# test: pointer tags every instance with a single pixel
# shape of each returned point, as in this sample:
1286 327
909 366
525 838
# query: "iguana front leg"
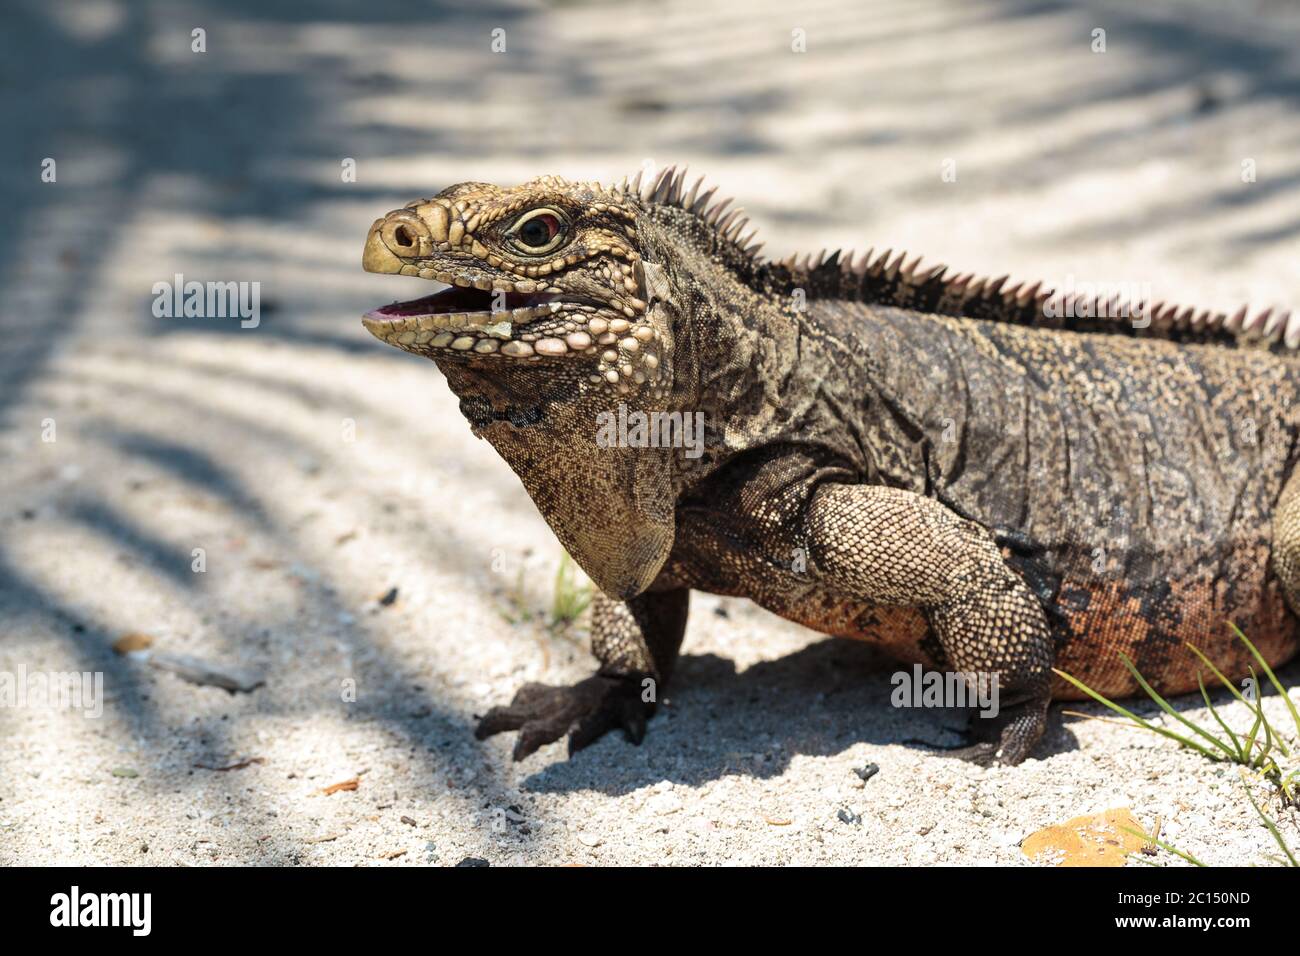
636 643
893 547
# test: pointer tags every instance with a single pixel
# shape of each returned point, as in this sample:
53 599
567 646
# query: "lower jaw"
428 335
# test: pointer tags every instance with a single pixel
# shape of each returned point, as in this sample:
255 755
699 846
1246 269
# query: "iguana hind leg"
893 547
636 643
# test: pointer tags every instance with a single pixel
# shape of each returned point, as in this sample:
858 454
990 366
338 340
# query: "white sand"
176 435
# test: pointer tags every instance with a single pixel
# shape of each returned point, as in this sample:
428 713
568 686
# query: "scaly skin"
969 477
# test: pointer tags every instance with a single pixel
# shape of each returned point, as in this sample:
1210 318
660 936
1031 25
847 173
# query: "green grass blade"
1219 674
1185 741
1168 709
1242 755
1164 846
1258 707
570 598
1272 827
1277 684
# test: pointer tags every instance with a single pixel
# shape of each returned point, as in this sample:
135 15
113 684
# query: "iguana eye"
539 231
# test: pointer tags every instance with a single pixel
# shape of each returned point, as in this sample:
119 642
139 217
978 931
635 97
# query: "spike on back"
668 188
886 279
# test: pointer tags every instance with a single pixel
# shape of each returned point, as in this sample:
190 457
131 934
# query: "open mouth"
457 308
468 320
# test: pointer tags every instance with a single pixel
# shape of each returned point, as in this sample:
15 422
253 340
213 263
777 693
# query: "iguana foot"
1010 739
587 710
1004 742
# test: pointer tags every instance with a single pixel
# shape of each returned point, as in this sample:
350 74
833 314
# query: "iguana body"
934 465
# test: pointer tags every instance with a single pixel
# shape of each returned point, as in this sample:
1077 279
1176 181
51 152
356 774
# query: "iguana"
982 479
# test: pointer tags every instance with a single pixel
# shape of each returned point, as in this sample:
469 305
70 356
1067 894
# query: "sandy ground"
317 469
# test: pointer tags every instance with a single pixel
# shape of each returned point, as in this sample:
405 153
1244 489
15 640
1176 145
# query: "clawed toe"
543 713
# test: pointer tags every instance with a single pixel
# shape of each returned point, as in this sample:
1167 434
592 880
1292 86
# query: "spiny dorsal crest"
668 188
889 279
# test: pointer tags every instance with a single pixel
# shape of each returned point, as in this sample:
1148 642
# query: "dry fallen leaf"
345 785
132 641
1093 840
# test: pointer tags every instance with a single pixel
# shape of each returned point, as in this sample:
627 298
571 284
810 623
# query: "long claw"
633 719
542 713
589 730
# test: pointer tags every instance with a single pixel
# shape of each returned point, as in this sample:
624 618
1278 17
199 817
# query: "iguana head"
566 302
549 272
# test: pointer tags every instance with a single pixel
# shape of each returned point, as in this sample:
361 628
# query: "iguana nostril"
404 234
